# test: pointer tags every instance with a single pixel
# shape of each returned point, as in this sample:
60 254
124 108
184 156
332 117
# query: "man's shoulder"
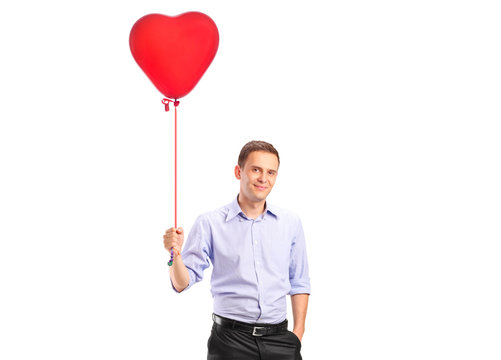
283 213
218 214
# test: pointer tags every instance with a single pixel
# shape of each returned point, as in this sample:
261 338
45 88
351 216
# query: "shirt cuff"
300 289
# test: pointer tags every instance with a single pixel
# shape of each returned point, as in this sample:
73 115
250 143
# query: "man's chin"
260 197
257 196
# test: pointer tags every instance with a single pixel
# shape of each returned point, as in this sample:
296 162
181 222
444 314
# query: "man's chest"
251 244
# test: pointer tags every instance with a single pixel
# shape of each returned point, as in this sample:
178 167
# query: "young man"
258 256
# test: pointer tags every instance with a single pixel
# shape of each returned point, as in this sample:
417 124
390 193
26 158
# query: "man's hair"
255 145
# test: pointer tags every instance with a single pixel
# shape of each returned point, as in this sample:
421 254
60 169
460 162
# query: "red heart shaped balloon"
174 52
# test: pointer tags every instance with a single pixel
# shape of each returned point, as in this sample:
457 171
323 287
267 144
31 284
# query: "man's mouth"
259 187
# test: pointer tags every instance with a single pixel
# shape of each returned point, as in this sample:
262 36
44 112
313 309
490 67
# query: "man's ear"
237 172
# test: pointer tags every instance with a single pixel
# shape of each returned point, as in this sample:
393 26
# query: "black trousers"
230 344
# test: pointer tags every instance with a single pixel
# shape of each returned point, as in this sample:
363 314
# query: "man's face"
258 175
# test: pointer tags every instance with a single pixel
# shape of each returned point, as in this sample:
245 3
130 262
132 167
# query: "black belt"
254 329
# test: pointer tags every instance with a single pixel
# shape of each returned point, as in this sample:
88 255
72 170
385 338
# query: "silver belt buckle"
256 328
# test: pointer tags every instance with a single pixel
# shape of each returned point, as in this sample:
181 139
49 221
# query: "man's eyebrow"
260 168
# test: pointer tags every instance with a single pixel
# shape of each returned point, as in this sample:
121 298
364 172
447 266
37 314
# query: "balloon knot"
166 102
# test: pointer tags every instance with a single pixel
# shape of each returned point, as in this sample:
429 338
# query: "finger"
170 230
169 241
169 238
179 230
170 244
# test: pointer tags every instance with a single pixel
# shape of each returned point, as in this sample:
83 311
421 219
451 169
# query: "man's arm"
299 280
180 278
179 274
299 307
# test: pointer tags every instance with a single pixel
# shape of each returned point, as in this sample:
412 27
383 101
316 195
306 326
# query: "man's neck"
251 209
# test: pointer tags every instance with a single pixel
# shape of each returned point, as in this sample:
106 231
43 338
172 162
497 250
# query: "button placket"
256 247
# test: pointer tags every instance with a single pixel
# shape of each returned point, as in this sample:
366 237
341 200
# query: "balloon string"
176 103
175 165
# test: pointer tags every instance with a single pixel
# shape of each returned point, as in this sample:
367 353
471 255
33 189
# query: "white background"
386 115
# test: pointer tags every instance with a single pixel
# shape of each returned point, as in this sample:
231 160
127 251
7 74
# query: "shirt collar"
234 210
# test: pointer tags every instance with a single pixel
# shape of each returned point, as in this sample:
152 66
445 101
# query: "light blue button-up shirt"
256 262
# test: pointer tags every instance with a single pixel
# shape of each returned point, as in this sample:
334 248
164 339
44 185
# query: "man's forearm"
179 274
299 307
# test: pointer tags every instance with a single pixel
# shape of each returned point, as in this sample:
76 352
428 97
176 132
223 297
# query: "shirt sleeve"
298 269
197 250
